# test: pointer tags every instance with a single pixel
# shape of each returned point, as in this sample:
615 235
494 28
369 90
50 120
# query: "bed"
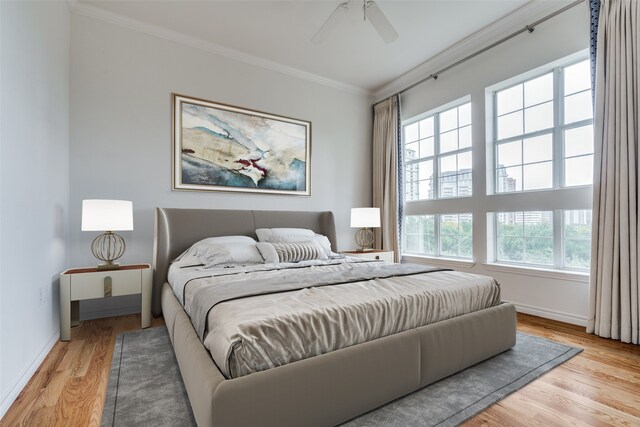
323 390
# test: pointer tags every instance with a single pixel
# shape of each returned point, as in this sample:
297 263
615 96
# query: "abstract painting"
220 147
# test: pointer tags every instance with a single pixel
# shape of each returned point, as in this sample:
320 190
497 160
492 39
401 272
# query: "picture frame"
221 147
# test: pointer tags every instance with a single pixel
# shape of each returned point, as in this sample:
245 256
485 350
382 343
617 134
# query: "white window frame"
557 131
438 242
558 239
435 158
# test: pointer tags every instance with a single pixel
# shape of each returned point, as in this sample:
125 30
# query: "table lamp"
107 216
365 219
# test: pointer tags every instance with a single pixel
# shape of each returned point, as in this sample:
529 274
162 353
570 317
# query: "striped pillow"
299 251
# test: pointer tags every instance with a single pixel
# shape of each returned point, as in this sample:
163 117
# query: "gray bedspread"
258 320
204 298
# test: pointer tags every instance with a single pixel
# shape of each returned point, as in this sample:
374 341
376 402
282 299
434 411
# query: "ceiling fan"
370 10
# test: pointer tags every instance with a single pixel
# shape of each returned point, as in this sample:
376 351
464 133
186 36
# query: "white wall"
34 200
121 85
549 295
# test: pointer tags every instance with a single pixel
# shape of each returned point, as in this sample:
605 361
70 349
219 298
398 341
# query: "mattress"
260 332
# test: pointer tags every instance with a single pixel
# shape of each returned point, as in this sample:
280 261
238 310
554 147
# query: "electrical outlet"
43 296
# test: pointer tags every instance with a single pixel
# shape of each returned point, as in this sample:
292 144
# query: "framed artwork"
218 147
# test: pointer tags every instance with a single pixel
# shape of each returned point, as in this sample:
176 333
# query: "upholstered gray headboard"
177 229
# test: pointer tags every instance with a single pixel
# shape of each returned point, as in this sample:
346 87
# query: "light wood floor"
600 386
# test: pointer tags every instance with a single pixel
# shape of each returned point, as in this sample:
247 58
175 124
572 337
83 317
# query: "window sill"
447 262
574 276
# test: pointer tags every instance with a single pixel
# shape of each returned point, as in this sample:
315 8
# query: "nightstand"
78 284
372 254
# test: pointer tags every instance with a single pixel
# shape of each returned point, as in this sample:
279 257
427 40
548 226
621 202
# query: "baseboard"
111 312
14 390
551 314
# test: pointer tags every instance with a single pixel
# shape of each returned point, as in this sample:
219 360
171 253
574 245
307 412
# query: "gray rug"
145 387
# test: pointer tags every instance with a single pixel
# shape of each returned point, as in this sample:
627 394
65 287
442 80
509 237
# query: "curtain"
614 289
387 162
594 14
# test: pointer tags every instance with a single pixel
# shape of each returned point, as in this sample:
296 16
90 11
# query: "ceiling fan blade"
331 23
380 22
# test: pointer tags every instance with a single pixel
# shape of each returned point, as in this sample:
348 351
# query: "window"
530 237
525 237
577 239
437 155
447 235
543 131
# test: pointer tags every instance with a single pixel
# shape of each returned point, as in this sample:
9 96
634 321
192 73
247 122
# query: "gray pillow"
299 251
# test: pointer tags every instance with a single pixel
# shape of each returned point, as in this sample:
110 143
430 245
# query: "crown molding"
516 20
81 8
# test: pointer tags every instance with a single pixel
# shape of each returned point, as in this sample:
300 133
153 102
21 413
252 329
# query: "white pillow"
285 235
268 252
190 257
229 253
293 235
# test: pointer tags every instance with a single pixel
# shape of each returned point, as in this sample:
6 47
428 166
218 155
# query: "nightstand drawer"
96 285
374 254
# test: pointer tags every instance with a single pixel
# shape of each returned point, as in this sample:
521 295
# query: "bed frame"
322 390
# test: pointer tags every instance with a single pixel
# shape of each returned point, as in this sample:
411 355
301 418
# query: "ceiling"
280 31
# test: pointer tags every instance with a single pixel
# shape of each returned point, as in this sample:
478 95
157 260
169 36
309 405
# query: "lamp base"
364 239
108 247
108 266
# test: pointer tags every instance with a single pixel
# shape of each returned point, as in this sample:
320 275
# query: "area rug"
145 387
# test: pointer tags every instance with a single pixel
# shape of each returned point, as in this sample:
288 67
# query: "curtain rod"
528 28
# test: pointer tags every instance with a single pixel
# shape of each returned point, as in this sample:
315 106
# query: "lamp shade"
365 217
107 215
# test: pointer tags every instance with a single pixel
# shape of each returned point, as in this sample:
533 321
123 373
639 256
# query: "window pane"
426 127
411 132
525 237
465 137
425 169
538 117
419 234
456 235
509 179
464 114
538 90
411 191
537 176
578 141
465 184
411 151
425 189
578 171
509 100
464 162
510 125
539 250
507 224
510 154
538 149
577 77
510 249
538 223
577 239
426 147
465 224
577 107
448 186
448 165
448 141
449 120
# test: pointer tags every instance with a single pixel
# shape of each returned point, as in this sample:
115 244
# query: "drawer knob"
377 256
107 286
